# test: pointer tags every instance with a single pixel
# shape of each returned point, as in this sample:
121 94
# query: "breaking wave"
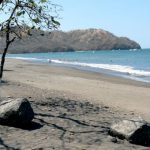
27 58
119 68
127 70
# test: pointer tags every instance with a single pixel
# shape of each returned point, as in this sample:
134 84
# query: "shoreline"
101 71
95 87
92 74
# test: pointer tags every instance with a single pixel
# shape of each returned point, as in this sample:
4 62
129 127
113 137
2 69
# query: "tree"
39 14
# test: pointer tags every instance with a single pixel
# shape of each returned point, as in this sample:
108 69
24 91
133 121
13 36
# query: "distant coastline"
77 40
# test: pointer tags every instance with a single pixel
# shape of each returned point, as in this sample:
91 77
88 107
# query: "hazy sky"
129 18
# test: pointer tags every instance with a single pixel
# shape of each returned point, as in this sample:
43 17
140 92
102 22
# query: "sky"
130 18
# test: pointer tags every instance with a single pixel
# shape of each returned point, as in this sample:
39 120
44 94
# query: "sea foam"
118 68
27 58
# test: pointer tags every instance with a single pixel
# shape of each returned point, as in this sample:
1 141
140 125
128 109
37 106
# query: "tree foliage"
19 16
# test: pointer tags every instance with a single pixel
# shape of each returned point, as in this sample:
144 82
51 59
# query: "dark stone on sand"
16 112
134 131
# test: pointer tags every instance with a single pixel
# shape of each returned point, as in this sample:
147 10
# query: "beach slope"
74 109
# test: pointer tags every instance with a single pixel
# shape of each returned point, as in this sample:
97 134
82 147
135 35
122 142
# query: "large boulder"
135 131
16 112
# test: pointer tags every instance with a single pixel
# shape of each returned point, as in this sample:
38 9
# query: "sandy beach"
75 108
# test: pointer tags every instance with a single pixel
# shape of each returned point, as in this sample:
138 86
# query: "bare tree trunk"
2 63
8 42
4 54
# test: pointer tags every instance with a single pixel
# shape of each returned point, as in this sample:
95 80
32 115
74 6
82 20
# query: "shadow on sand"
31 126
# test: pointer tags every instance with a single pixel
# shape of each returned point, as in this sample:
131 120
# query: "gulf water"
133 64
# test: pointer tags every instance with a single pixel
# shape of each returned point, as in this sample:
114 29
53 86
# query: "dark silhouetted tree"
21 16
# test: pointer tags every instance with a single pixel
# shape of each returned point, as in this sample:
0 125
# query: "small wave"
27 58
118 68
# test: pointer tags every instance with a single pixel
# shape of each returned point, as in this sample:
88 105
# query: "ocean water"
132 64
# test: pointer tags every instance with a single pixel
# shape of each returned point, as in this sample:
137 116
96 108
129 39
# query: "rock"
16 112
134 131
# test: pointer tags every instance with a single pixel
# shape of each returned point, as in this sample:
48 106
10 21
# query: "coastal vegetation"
17 13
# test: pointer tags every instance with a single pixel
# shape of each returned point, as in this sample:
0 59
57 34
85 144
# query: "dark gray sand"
62 123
